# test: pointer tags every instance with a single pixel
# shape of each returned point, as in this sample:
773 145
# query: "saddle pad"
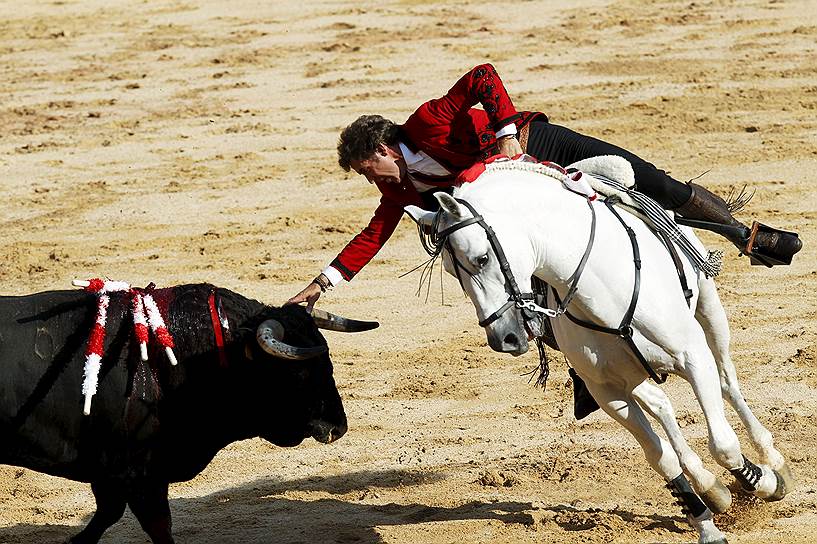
598 170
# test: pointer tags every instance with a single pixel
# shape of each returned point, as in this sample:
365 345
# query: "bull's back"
42 351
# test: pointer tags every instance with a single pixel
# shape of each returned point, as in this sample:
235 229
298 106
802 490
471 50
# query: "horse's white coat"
544 230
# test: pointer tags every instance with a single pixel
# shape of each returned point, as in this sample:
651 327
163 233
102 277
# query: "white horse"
544 231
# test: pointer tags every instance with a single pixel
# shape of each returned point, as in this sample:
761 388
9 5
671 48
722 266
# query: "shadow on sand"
256 512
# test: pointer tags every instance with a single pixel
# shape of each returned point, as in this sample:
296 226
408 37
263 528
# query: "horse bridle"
531 304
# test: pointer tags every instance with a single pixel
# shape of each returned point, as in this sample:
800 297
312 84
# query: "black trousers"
554 143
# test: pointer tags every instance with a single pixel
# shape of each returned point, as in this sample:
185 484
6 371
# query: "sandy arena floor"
161 141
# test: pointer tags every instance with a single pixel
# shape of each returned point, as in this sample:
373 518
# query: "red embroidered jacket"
451 132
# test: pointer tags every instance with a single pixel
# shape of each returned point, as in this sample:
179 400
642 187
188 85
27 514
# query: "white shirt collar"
408 155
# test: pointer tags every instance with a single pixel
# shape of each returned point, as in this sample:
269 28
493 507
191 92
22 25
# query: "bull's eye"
483 260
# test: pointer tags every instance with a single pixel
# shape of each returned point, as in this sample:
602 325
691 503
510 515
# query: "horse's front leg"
655 402
712 318
660 455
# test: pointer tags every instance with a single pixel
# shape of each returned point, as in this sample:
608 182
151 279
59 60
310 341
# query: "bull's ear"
420 216
450 205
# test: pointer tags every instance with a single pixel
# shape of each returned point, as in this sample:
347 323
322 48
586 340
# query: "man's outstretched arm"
357 253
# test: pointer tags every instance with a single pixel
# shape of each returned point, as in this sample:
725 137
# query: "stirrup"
770 256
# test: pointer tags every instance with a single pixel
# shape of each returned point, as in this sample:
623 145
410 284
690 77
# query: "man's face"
385 166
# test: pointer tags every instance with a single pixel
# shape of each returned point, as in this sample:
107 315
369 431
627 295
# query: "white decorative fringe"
157 325
91 380
140 324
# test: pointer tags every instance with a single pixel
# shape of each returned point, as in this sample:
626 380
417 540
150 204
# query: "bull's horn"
269 334
332 322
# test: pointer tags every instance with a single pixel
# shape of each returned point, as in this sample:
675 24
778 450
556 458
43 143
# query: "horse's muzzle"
513 342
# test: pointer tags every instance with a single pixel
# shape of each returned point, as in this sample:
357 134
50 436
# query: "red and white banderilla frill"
140 302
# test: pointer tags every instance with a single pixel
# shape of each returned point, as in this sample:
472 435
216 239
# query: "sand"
179 142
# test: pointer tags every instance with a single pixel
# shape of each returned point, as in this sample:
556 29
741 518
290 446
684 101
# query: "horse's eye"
482 261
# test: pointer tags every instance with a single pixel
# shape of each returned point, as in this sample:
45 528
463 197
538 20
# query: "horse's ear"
420 216
449 204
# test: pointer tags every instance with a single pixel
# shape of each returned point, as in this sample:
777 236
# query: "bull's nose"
338 431
326 432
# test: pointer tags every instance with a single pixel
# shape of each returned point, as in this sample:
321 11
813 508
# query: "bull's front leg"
110 505
150 506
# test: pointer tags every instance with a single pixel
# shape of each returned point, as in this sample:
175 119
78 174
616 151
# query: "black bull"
151 423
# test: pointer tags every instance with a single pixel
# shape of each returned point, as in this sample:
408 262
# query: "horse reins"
625 328
530 304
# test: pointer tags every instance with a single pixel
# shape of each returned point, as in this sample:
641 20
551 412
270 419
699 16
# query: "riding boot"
764 245
583 402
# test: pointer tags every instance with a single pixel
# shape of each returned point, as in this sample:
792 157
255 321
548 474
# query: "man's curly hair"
360 140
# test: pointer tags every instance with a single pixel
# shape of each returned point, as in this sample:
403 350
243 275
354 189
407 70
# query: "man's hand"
509 145
310 294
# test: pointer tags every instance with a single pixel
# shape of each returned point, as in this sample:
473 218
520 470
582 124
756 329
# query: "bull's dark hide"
151 423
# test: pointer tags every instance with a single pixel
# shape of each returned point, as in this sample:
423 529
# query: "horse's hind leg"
655 402
712 317
660 455
700 370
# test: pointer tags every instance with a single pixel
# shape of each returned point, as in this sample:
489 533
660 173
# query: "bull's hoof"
719 541
717 498
781 489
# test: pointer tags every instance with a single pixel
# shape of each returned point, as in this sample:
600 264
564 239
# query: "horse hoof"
782 488
717 498
788 478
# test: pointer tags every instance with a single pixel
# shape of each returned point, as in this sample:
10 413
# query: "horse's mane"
526 166
510 165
